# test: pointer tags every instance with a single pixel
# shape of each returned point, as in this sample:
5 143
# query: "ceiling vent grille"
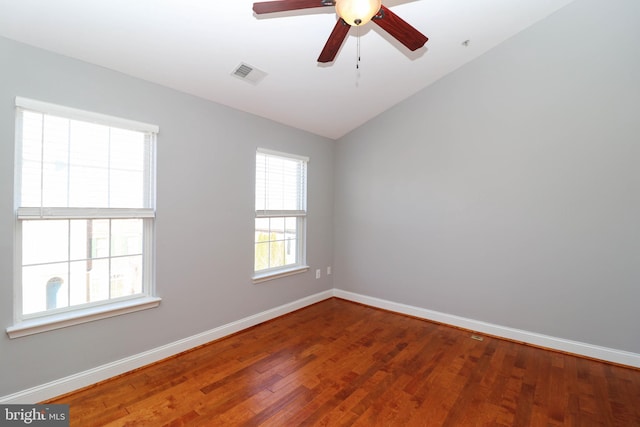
248 73
243 71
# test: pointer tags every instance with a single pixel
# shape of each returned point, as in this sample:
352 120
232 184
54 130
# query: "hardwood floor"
337 363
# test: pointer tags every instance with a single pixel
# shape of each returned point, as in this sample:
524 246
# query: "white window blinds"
80 168
280 184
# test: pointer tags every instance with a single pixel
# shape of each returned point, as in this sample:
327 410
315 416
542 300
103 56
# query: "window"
85 208
281 213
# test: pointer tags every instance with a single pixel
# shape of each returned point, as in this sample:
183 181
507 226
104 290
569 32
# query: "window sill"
270 275
62 320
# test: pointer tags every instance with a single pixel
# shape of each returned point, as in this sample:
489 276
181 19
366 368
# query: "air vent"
243 71
248 73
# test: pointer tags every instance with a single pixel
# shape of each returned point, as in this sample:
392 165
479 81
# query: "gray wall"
509 191
206 158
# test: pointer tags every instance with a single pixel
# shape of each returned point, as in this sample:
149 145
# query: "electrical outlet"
328 270
317 273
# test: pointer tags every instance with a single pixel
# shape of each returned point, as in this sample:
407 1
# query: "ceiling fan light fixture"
357 12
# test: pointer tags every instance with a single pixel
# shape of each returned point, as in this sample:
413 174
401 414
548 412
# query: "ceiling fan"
350 13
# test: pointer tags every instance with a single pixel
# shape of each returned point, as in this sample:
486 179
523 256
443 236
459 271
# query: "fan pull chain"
358 47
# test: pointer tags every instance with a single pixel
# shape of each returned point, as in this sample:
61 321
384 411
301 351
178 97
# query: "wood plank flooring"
337 363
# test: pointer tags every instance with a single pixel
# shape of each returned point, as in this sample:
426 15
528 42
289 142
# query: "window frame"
31 323
301 218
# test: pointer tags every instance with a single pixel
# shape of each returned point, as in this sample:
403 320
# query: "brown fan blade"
399 29
284 5
336 38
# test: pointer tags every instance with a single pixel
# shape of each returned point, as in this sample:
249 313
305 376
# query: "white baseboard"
579 348
104 372
101 373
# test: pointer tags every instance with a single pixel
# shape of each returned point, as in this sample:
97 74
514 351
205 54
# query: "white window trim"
266 275
29 325
76 317
282 154
83 115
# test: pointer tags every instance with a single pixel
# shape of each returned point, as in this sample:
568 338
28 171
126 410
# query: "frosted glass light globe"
357 12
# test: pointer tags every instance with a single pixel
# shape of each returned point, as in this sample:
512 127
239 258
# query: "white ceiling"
195 45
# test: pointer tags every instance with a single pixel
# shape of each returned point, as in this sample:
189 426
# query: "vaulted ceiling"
195 46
